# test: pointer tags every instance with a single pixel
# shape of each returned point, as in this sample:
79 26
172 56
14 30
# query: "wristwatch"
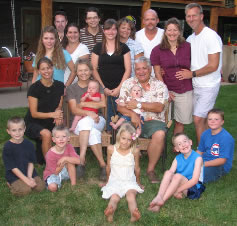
194 74
139 105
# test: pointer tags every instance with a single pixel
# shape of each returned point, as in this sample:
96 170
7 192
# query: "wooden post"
214 18
145 6
46 12
236 7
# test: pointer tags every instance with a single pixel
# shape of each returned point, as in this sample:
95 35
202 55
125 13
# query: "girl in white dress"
123 173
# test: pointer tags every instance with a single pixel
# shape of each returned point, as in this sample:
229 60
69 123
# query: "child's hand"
61 162
31 182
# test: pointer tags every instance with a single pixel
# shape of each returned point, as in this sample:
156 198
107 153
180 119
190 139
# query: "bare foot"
109 213
113 125
136 215
156 204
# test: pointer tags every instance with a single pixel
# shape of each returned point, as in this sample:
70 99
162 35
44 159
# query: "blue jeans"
111 111
213 173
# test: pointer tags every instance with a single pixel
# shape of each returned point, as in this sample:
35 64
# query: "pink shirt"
52 159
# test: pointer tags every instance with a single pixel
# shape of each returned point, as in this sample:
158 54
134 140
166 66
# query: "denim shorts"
57 179
213 173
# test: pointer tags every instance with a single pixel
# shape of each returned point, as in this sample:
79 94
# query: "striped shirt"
90 40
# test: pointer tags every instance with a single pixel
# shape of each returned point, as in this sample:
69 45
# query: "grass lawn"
83 205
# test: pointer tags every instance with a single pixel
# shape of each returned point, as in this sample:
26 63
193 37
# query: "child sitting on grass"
122 163
136 94
182 179
60 160
216 147
19 157
92 94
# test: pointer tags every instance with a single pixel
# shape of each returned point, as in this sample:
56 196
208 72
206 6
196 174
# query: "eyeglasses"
92 18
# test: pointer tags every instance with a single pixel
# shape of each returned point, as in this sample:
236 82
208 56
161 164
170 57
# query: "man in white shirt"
206 63
150 36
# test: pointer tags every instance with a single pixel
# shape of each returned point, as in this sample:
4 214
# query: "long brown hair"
107 25
164 42
65 40
58 56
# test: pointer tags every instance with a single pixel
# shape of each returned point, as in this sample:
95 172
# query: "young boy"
19 157
60 160
216 147
183 176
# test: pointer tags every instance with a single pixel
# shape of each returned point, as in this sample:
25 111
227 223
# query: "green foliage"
83 205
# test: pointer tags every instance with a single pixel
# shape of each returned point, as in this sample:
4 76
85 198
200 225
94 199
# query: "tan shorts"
183 108
19 188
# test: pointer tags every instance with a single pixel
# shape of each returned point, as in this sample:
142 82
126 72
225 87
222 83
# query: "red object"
10 72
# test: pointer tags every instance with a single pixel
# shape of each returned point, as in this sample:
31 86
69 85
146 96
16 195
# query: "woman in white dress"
74 47
123 173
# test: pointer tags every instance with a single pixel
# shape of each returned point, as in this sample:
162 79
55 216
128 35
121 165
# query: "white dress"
122 177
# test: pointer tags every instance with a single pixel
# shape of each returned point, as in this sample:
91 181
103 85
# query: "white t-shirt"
81 50
147 44
206 42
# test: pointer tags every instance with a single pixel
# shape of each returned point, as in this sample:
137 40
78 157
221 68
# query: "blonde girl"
49 46
123 173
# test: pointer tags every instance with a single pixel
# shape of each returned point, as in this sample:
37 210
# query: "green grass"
83 205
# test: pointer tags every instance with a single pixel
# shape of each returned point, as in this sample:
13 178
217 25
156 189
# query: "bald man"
150 36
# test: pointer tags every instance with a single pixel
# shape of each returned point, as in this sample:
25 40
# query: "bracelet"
104 88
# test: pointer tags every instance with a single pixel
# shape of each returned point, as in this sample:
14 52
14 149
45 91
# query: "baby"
136 93
92 94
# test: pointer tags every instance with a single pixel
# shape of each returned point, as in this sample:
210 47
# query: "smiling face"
124 30
125 140
194 18
92 19
172 33
48 40
83 72
143 72
60 23
150 20
136 92
73 34
60 138
46 71
16 131
110 34
183 144
215 121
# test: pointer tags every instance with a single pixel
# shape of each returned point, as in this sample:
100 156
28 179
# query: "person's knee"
40 184
158 136
53 187
46 134
168 173
198 120
115 197
177 177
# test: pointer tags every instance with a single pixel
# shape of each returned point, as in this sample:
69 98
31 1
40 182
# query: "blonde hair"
58 56
16 120
60 128
126 127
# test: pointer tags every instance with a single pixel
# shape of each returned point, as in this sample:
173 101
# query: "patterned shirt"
135 49
89 39
156 91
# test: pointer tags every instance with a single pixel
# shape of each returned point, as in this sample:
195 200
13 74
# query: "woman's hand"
171 96
58 114
115 92
58 122
108 92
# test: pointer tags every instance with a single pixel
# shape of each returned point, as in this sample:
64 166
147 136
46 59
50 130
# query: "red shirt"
89 100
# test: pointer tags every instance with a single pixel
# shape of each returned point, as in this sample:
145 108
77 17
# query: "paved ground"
13 97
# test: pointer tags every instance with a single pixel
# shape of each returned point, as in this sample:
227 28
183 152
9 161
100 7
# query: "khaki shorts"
183 107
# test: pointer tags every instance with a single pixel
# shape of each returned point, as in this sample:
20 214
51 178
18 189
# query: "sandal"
152 177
